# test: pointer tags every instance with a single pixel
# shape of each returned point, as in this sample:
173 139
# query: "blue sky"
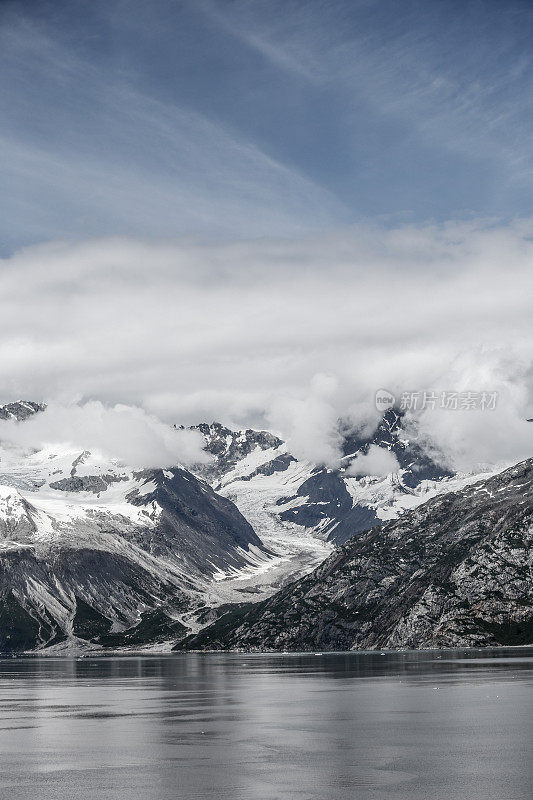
240 119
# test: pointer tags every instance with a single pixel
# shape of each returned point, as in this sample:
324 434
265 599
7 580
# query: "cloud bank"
288 334
123 432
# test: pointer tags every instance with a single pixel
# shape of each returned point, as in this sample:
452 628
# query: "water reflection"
330 726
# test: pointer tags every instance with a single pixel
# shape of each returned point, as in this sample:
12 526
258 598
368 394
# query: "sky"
263 212
242 118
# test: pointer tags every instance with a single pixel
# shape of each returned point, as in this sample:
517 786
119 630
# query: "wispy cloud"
101 156
267 35
460 80
256 119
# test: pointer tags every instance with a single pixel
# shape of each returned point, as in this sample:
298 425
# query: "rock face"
454 572
207 530
327 506
416 465
57 596
87 483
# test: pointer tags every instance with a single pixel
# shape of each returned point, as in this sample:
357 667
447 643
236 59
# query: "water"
408 726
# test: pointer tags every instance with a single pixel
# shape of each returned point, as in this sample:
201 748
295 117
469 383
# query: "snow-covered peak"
230 447
20 410
256 470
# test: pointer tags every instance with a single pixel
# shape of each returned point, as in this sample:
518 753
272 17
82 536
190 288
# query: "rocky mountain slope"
340 506
90 548
454 572
302 511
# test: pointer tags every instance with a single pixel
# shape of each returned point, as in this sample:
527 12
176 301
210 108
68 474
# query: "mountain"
229 447
93 550
20 410
340 506
389 434
301 511
96 554
456 571
282 493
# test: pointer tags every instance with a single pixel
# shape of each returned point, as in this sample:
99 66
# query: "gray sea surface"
454 725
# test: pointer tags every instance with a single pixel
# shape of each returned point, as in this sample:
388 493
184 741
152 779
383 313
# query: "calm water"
426 726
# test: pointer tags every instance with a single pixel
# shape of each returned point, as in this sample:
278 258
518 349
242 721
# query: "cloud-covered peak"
126 433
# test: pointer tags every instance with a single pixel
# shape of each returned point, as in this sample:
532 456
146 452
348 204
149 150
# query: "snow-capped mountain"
455 572
253 470
230 447
286 495
93 550
20 410
89 545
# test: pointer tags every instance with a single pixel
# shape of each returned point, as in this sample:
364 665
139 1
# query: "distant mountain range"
94 554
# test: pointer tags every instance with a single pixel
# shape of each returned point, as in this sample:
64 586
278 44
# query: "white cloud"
123 432
377 461
310 424
477 438
238 332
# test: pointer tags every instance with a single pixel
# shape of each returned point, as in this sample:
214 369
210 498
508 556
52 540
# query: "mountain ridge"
139 558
